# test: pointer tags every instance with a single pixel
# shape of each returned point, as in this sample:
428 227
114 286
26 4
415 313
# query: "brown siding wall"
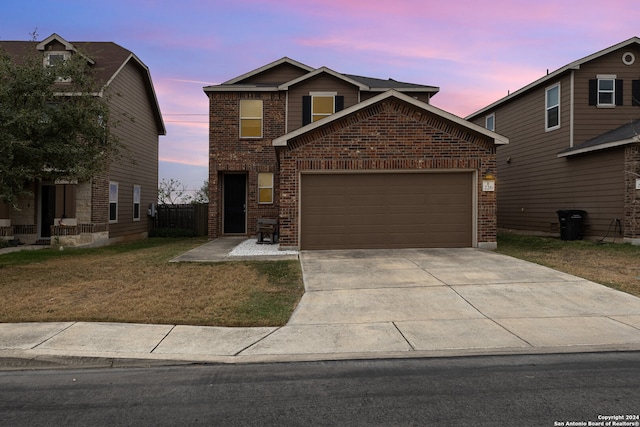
386 136
534 183
275 76
320 83
129 99
591 121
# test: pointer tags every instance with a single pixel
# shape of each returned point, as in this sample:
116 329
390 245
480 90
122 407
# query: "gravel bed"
251 248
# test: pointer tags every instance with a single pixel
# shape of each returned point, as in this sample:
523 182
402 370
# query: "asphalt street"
542 390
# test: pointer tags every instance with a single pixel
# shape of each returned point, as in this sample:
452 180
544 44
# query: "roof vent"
628 58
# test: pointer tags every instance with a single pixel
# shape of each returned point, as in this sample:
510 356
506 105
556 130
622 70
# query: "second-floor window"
605 91
490 122
250 118
322 106
552 110
53 59
319 105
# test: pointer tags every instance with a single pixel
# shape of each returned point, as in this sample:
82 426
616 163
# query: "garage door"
386 210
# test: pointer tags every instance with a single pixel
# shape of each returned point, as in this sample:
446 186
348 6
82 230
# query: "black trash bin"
571 224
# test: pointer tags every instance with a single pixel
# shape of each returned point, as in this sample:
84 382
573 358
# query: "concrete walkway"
370 304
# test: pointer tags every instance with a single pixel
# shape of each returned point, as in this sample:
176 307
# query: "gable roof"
625 134
283 60
575 65
106 60
390 93
322 70
368 84
380 85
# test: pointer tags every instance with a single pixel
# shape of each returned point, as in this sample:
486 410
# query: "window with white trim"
136 203
607 91
552 107
490 122
54 59
113 201
265 188
322 106
318 105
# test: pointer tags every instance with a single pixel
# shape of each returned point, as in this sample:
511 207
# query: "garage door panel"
394 210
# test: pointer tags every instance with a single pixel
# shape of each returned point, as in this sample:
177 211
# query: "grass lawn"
135 283
611 264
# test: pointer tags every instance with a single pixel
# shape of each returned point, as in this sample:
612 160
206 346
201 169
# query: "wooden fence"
183 217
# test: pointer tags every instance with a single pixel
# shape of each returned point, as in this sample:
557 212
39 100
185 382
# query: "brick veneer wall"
390 135
100 199
632 196
229 153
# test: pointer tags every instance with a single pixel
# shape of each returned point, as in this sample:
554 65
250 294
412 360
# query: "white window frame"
322 95
264 187
608 77
490 122
547 107
136 201
113 199
48 55
261 118
47 61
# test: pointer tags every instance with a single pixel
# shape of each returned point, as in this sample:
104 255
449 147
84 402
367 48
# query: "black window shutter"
306 110
339 103
635 92
618 92
593 92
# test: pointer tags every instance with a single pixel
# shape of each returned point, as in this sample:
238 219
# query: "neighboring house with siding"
573 145
345 161
113 206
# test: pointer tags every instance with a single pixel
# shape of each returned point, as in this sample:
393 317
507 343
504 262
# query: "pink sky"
475 51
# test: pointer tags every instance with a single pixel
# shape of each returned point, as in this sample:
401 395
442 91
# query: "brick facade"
377 125
390 135
631 225
230 153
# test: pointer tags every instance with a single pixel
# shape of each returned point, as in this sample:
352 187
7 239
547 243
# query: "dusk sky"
475 51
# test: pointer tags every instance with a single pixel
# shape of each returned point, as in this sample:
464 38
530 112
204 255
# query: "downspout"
571 104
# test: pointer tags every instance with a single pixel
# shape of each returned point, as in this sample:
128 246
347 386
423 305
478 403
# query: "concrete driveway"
443 300
371 304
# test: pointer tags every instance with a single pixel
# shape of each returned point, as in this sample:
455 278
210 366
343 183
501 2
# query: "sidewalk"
365 304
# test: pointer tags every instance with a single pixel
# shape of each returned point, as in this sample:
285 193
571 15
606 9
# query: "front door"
235 204
47 209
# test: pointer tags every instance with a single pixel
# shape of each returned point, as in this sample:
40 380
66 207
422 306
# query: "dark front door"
235 203
47 209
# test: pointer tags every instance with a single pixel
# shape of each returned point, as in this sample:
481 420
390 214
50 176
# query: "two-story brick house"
344 161
113 206
573 145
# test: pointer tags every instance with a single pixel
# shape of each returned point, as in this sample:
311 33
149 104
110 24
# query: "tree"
201 195
173 192
52 123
